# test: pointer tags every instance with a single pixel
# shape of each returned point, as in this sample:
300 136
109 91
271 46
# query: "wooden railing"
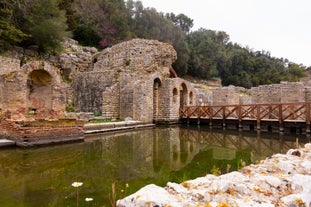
280 112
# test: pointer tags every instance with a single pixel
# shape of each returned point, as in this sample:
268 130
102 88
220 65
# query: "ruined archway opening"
190 98
183 95
156 97
39 84
175 94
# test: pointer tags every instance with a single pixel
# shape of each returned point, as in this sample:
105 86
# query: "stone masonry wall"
286 92
9 65
137 56
111 102
171 98
135 66
230 95
89 88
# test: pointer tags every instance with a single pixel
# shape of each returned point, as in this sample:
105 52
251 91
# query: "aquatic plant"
88 200
113 195
77 185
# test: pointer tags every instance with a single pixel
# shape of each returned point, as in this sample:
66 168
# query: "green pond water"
128 160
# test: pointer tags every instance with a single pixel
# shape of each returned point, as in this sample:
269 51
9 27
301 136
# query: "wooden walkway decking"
283 115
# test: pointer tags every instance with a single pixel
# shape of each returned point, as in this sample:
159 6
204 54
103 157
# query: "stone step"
6 143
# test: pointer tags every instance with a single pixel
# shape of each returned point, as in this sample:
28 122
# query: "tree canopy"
203 53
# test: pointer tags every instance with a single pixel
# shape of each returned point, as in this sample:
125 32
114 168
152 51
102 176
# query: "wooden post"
308 117
223 117
281 121
258 117
210 109
240 116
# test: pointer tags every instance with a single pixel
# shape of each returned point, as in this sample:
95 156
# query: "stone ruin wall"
171 102
90 86
135 65
230 95
286 92
8 65
120 80
137 56
19 93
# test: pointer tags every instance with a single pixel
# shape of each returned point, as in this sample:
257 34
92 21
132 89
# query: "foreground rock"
282 180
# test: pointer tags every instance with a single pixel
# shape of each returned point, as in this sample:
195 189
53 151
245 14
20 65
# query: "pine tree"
9 34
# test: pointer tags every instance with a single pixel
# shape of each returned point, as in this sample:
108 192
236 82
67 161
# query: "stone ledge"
48 141
6 143
114 126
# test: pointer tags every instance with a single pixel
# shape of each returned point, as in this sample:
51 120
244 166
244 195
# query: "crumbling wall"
111 102
230 95
9 65
286 92
89 88
137 56
25 96
133 66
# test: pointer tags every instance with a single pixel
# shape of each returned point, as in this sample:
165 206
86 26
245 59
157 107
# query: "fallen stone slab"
6 143
282 180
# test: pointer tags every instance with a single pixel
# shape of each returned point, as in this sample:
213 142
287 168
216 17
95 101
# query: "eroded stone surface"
281 180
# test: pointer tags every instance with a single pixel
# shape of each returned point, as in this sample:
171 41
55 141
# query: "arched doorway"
156 97
190 98
40 90
175 96
183 95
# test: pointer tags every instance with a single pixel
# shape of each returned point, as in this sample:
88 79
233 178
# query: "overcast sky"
282 27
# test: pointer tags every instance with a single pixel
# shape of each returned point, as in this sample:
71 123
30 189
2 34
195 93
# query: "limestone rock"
278 181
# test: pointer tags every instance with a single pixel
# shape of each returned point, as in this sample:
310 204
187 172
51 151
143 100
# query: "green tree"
67 5
106 19
150 24
181 20
9 33
46 24
207 48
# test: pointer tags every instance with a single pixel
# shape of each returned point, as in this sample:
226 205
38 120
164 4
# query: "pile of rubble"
282 180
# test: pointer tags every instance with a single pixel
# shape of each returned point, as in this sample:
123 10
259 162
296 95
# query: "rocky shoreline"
282 180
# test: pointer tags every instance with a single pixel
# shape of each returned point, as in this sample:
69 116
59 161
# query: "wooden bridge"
283 116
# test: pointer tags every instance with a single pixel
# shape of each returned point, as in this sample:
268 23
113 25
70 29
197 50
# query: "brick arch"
156 97
44 95
183 95
191 101
39 84
42 65
175 95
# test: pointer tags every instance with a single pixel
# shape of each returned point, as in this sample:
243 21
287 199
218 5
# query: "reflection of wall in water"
259 147
130 158
144 153
147 153
180 150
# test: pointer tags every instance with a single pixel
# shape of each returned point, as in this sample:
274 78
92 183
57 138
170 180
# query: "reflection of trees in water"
261 145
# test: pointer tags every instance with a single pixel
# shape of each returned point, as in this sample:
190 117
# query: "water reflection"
43 176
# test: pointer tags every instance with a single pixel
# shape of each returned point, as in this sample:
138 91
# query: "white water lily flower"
77 184
88 199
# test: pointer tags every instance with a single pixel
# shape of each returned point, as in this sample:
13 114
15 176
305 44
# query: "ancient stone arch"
45 94
191 102
39 85
183 95
156 97
175 95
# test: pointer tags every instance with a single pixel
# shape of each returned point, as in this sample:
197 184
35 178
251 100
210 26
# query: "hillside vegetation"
204 53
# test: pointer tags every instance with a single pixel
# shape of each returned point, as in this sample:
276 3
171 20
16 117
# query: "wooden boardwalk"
280 115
